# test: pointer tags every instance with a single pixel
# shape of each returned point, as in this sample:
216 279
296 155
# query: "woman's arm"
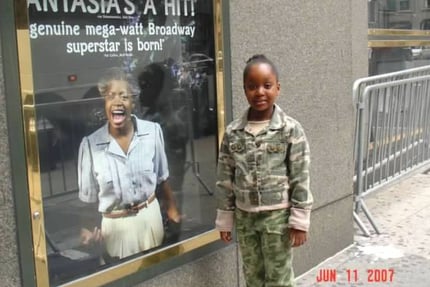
169 202
88 188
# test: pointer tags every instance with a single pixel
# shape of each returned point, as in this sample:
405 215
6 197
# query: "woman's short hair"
117 74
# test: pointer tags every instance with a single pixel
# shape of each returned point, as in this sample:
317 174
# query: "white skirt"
129 235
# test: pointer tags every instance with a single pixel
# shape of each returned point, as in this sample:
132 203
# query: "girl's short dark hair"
257 59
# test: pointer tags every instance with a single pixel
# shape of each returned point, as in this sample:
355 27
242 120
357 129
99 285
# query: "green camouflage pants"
265 248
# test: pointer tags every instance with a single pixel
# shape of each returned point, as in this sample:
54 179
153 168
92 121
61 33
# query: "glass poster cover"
125 102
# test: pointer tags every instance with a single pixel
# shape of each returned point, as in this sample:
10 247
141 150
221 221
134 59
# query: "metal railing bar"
395 113
357 86
390 158
419 168
390 126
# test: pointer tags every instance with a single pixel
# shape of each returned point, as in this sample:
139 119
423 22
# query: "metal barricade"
360 84
392 133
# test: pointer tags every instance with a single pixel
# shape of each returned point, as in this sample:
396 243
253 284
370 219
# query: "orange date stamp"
371 275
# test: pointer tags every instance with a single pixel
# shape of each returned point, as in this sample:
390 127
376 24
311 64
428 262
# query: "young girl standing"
263 181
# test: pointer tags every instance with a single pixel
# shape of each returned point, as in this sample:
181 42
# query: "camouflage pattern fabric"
267 169
265 248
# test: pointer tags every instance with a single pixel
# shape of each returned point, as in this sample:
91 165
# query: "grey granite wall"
9 266
217 269
359 39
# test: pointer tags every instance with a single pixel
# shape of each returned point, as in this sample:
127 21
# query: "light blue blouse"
107 175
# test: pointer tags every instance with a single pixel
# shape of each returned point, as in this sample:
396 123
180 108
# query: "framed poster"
122 102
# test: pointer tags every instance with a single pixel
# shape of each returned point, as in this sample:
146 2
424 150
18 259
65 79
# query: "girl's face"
261 88
118 104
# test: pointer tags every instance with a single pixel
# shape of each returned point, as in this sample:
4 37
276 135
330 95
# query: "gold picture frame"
34 172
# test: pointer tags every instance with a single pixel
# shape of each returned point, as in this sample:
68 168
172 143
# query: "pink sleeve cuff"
224 220
299 218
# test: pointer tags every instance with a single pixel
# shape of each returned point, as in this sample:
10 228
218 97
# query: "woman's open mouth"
118 116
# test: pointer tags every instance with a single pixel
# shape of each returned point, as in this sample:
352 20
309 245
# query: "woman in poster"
120 166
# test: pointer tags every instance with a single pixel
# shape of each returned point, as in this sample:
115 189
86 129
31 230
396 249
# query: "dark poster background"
168 45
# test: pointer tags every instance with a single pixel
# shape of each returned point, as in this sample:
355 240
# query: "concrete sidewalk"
399 256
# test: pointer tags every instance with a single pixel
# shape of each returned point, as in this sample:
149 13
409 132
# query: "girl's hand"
88 237
225 236
297 237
